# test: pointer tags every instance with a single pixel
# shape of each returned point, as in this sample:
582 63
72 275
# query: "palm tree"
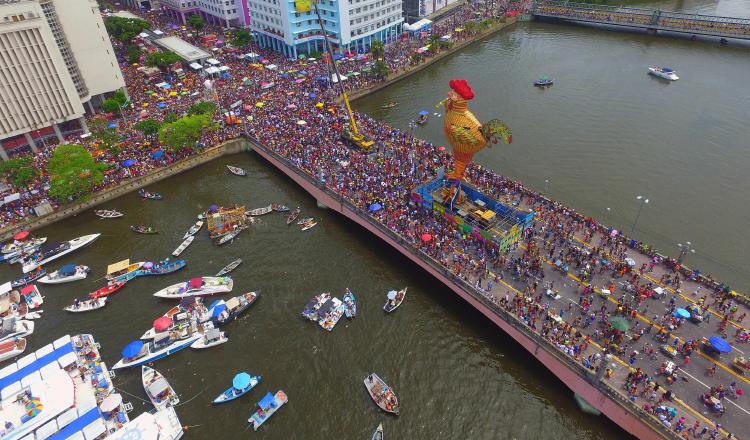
377 49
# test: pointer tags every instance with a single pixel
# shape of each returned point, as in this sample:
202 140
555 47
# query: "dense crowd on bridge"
289 110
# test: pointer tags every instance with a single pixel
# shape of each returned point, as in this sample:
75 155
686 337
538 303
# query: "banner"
302 6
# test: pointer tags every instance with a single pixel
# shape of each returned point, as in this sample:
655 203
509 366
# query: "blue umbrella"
157 154
682 313
216 311
128 163
213 208
375 207
112 125
215 303
424 113
132 349
161 105
720 344
312 95
303 73
241 381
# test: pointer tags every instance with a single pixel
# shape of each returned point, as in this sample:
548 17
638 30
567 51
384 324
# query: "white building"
220 12
55 58
292 28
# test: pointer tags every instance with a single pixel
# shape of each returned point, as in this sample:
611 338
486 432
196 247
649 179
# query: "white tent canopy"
195 66
418 25
212 70
335 79
213 61
272 67
251 55
224 69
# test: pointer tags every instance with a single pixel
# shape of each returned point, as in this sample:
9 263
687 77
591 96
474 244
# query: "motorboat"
311 308
143 229
23 246
544 81
259 211
210 337
108 213
664 73
307 225
149 195
423 116
32 297
389 105
242 384
163 267
378 433
196 287
12 328
230 236
58 250
12 348
237 171
229 267
107 290
223 312
279 208
268 405
28 278
21 256
86 305
159 391
66 274
381 394
179 317
193 229
394 300
122 270
139 352
330 313
292 216
350 304
183 246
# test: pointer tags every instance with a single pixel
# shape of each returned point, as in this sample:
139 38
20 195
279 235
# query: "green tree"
19 171
73 172
434 42
120 97
111 105
241 38
202 108
125 29
196 22
162 59
134 54
185 132
101 132
380 69
171 117
377 49
149 127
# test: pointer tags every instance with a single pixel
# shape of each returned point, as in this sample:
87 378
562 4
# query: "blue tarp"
216 311
77 425
215 303
241 381
128 163
213 208
157 154
161 105
267 401
720 344
424 113
376 207
132 349
67 269
312 95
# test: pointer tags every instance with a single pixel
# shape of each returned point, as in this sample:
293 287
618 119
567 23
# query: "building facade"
227 13
56 61
291 26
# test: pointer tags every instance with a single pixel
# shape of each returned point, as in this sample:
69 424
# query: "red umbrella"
21 235
162 323
426 237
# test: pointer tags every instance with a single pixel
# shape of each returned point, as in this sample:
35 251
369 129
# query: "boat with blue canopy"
241 385
163 267
544 81
350 304
164 344
268 405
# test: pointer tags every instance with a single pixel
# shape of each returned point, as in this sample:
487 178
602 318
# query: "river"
607 132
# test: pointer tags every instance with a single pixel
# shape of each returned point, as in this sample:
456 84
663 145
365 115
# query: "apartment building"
227 13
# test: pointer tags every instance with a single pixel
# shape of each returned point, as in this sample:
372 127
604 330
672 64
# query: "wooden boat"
12 348
138 352
107 290
389 105
378 433
13 328
28 278
350 304
241 385
227 311
143 229
183 246
237 171
193 229
211 337
381 394
230 236
292 216
311 308
66 274
149 195
196 287
229 267
159 391
268 405
279 208
23 246
108 213
119 271
259 211
307 225
58 250
333 314
86 305
394 300
163 267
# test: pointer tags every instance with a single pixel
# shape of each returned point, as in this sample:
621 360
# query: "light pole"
684 249
546 183
643 201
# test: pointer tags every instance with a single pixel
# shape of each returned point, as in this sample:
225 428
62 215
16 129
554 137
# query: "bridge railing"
507 316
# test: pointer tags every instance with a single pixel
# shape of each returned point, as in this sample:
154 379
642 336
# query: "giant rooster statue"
465 134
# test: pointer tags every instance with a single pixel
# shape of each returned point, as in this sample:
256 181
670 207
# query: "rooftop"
185 50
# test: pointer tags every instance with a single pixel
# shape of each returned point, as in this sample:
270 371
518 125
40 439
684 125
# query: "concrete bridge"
652 20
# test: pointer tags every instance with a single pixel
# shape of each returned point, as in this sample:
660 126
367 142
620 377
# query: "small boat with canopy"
241 385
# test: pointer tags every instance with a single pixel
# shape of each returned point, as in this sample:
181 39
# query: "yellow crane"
350 133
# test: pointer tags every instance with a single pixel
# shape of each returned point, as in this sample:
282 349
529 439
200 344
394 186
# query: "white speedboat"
15 328
158 390
58 250
23 246
139 352
12 348
211 337
66 274
664 73
87 305
197 287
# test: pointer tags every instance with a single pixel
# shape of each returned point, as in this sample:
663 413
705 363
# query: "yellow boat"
121 268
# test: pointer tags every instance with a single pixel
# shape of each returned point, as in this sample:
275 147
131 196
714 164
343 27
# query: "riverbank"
229 147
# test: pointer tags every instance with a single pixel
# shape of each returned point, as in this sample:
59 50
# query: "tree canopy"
202 108
101 132
196 22
149 127
134 54
73 172
377 49
125 29
20 171
241 38
184 132
162 59
111 105
381 69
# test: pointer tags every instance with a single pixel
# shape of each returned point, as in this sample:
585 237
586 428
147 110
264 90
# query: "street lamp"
684 249
643 201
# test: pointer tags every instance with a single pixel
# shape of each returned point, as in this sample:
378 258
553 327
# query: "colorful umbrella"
682 313
21 235
375 207
426 237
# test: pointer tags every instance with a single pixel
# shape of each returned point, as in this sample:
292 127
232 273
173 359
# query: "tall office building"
291 27
55 59
219 12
